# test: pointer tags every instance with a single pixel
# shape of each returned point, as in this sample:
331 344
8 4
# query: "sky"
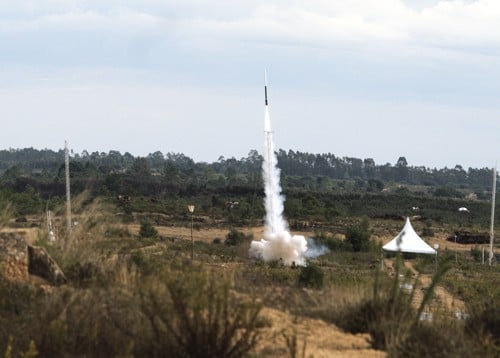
365 79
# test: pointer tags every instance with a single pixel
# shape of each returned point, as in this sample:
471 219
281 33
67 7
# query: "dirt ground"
449 303
321 340
206 234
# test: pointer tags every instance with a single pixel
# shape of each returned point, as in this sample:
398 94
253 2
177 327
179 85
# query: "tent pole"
436 260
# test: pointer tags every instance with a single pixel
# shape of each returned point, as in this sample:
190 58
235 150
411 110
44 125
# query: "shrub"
148 231
332 242
194 314
6 213
476 253
388 315
484 323
358 236
427 230
311 276
436 339
235 237
117 231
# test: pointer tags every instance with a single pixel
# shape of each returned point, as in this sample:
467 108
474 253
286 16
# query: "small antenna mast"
492 233
68 194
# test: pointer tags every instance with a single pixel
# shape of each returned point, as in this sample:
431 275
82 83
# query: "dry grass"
105 258
322 340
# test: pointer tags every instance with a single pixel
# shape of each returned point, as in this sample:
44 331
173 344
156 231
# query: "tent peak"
408 241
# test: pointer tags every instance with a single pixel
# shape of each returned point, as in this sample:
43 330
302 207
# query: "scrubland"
137 293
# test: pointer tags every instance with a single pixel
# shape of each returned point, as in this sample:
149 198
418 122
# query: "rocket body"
267 120
277 243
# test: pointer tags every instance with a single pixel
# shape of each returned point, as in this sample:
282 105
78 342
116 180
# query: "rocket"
265 88
267 120
269 158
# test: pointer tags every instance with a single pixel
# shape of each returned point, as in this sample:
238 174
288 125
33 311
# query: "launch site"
267 179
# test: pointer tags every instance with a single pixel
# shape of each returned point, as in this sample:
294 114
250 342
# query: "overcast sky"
367 79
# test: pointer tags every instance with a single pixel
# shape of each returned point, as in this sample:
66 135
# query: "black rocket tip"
265 87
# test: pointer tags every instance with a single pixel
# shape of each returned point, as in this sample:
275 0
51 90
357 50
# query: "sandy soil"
321 340
31 234
445 299
205 235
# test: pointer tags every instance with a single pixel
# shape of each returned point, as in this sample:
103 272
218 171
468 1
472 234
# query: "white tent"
408 241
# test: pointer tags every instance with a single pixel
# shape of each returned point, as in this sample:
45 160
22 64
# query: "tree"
401 162
358 236
402 169
141 167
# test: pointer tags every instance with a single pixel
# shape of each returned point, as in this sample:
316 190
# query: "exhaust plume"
277 244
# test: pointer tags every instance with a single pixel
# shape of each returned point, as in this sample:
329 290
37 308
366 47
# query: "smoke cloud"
277 244
314 249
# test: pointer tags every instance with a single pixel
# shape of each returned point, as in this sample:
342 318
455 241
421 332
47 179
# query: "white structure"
52 236
408 241
68 194
492 232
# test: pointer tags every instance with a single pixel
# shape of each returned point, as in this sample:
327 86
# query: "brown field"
315 337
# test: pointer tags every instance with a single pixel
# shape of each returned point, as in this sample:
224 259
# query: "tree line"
292 164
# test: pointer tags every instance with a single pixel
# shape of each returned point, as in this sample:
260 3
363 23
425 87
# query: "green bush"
484 322
148 231
427 230
436 339
476 253
235 237
358 236
311 276
194 314
332 242
388 314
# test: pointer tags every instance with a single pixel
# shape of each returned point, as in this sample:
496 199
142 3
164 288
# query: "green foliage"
235 237
194 314
311 275
388 314
117 231
188 313
427 230
141 262
483 323
436 339
358 236
333 242
148 231
6 213
447 192
476 253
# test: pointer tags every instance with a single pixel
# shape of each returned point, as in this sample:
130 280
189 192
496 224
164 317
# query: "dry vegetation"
142 296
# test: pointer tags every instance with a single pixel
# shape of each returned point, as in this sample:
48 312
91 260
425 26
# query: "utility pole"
492 224
68 194
191 210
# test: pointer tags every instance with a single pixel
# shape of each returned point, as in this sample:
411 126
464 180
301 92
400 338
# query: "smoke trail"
277 243
314 249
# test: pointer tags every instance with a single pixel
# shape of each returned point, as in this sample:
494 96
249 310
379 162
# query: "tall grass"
188 313
387 312
200 316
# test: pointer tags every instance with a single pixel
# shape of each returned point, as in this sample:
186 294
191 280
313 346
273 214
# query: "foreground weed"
195 314
292 344
388 314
